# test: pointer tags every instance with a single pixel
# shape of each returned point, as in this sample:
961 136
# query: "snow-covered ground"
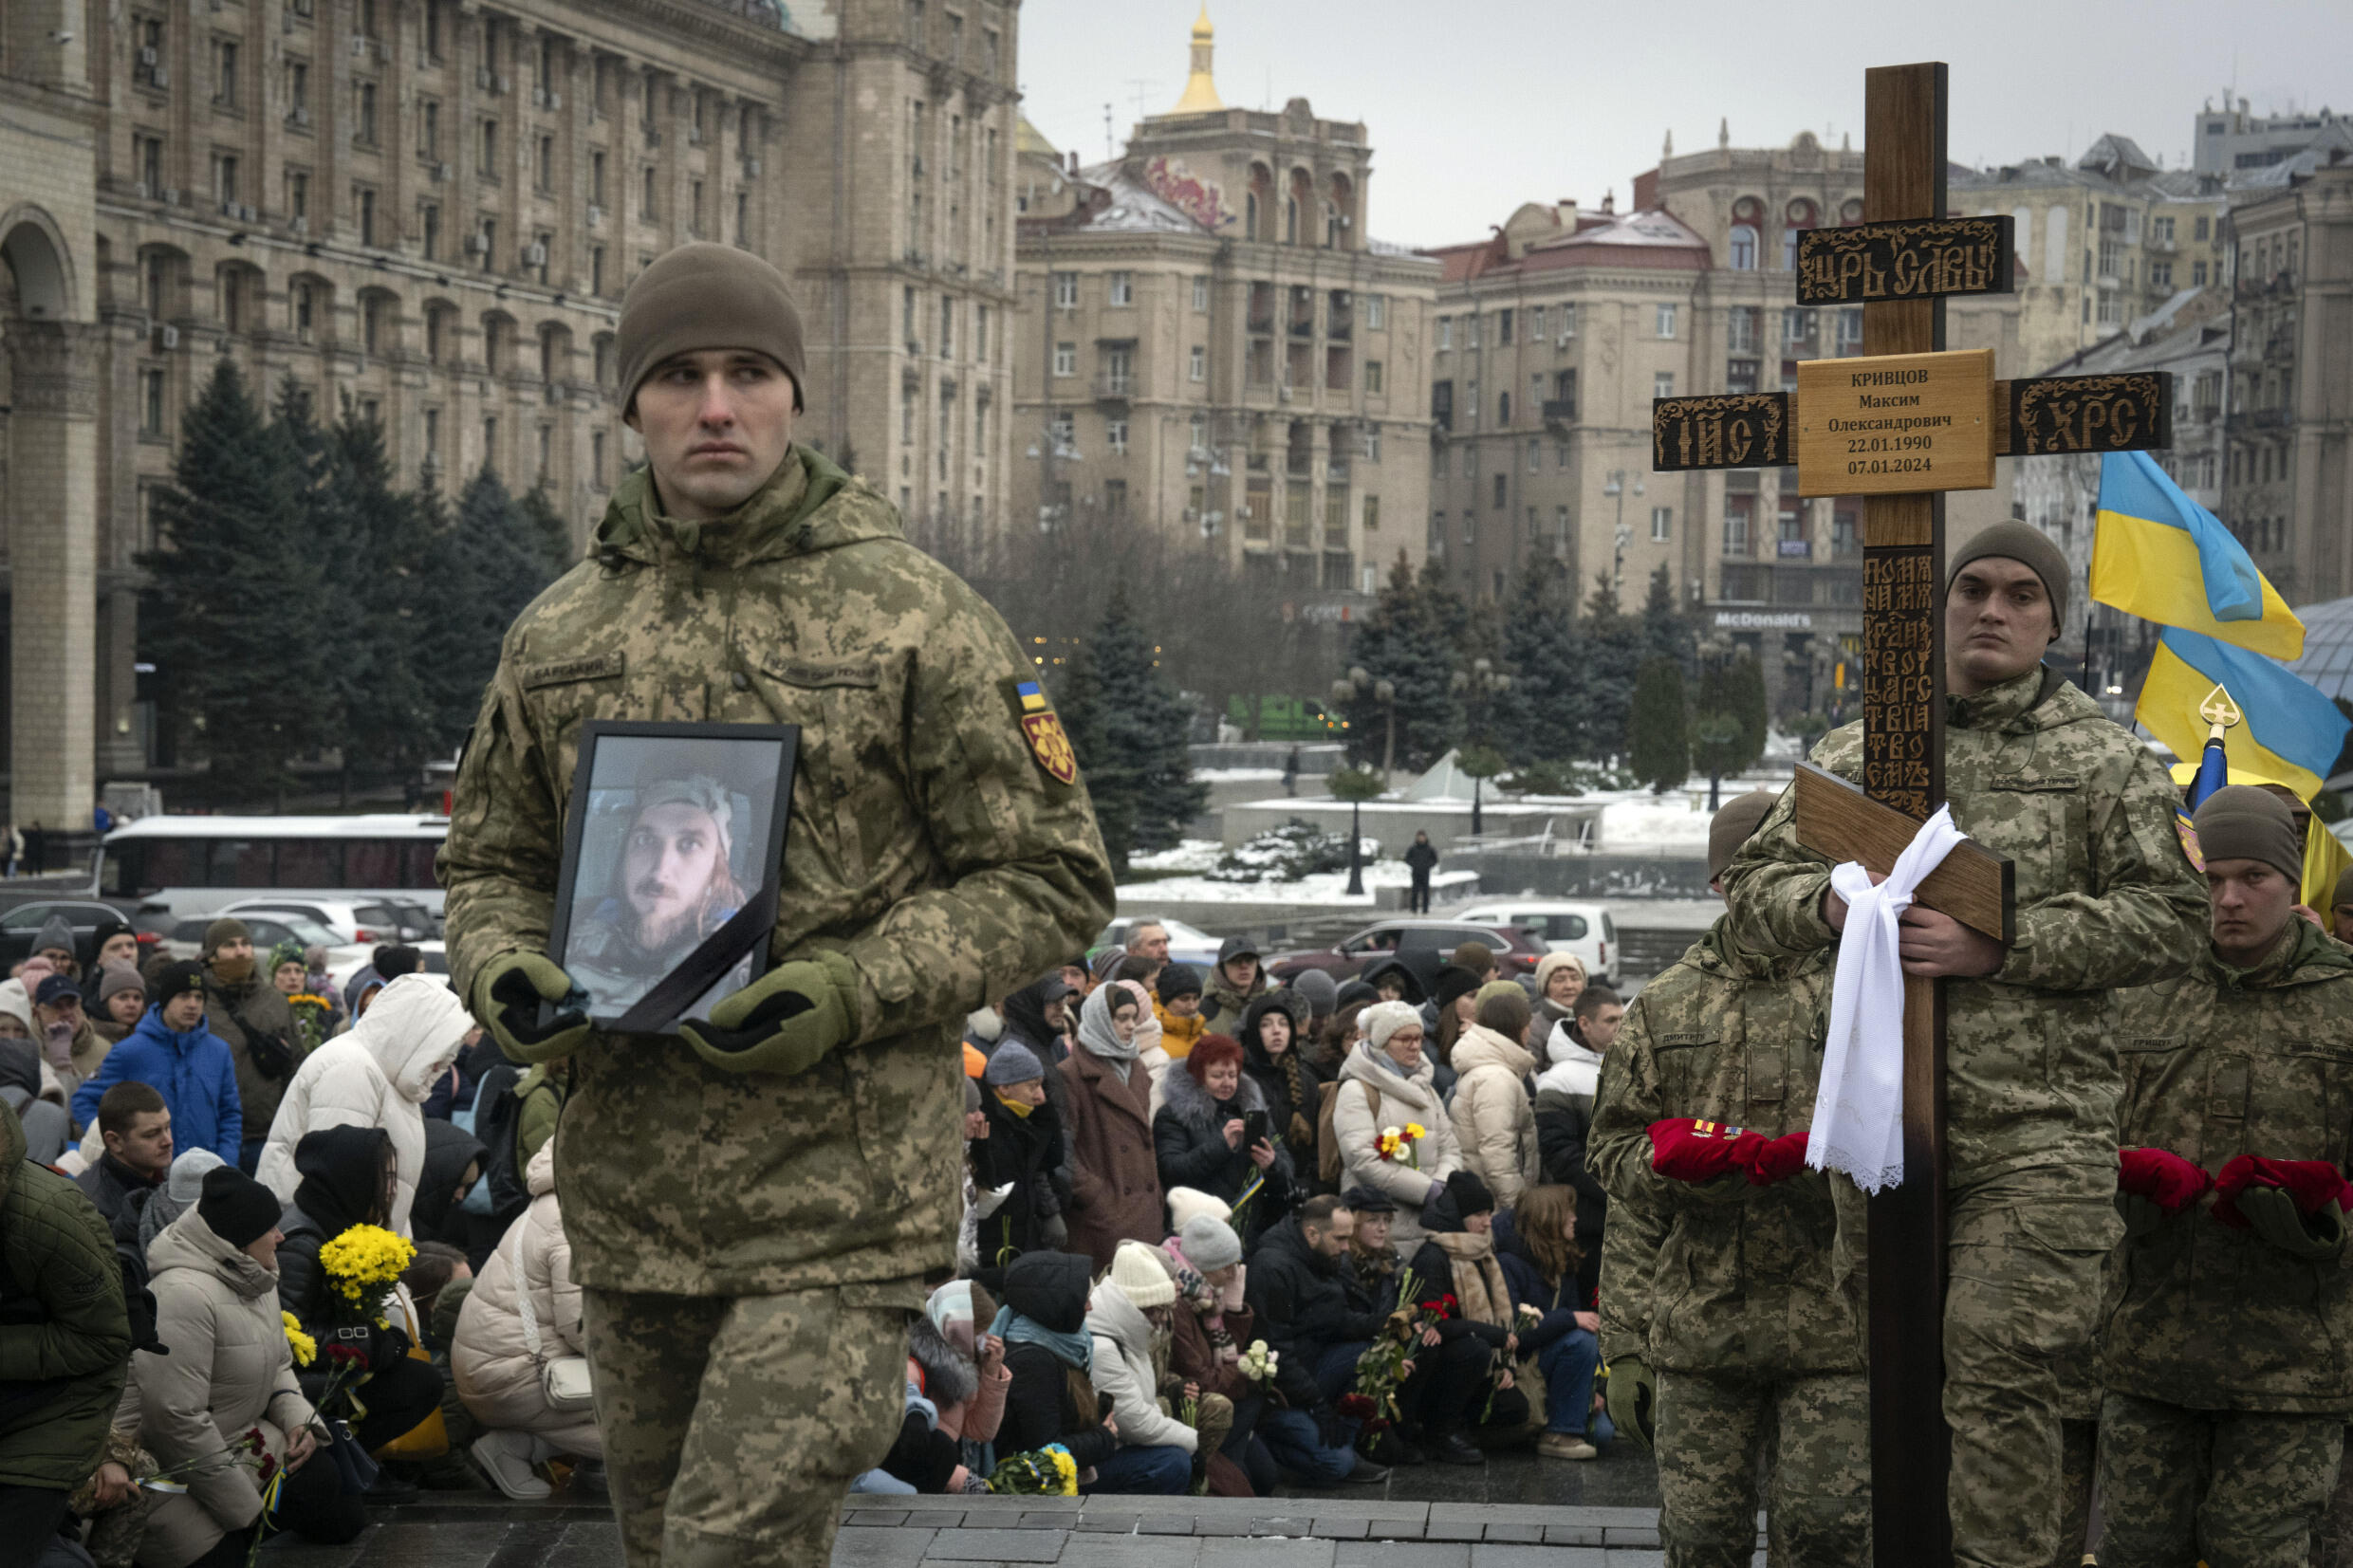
1653 823
1323 887
1193 855
1237 775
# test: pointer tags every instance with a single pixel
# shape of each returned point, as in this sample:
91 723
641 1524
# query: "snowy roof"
1133 207
1651 238
1446 780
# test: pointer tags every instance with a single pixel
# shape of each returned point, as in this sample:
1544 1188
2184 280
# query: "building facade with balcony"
2288 468
1210 342
432 208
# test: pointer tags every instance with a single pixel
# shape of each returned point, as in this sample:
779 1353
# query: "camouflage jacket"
928 842
2221 1062
1739 1284
2105 898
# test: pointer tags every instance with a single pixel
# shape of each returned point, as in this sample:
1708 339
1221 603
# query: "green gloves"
1633 1397
2273 1213
785 1021
507 992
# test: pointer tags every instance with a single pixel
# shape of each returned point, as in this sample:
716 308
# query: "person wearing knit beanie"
708 296
1187 1204
2341 907
1478 958
1209 1243
1732 826
1136 1269
2024 544
1382 1019
2255 866
1321 992
1012 1063
239 1211
1470 1195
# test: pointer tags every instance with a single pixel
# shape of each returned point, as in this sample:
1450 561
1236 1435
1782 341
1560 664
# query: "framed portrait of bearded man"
673 851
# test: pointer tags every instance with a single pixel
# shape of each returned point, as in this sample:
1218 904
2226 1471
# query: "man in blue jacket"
187 1063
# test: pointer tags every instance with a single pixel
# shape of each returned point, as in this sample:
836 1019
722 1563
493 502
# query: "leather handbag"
564 1379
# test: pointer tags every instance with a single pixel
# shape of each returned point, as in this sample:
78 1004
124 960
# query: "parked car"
1420 945
1566 925
1186 944
367 922
343 965
186 938
19 925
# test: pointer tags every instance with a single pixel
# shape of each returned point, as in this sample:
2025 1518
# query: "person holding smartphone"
1212 1135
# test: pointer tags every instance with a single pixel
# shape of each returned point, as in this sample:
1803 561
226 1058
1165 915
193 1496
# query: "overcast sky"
1473 107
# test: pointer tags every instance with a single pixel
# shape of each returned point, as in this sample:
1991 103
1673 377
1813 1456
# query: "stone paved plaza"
1515 1512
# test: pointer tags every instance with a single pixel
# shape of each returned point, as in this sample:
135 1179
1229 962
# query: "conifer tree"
1666 633
495 554
230 565
1413 638
385 543
1657 743
1614 650
1541 717
1134 730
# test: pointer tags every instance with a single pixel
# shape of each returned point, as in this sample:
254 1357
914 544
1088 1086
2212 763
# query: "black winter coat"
1276 1076
1028 1151
1042 1403
1302 1305
1189 1143
1420 857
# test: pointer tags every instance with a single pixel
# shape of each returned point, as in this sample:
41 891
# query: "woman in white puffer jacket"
379 1075
490 1356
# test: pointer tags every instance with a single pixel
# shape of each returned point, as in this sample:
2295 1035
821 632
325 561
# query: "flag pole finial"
2220 712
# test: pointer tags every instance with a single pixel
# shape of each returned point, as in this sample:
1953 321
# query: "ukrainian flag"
2325 856
1032 699
2160 555
2291 735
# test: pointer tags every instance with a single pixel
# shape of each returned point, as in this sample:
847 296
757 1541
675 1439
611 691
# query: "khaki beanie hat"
1733 825
2344 889
2012 541
708 295
2241 823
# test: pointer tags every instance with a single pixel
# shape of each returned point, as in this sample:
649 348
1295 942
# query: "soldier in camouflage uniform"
2106 899
1755 1344
2228 1353
754 1203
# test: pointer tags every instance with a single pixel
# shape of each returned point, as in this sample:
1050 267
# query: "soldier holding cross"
2105 898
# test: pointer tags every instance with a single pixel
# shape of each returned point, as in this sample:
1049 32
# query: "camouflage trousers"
733 1424
1814 1434
2024 1254
2235 1488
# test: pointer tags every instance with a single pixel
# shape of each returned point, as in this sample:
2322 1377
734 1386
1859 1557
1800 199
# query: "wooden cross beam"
1899 426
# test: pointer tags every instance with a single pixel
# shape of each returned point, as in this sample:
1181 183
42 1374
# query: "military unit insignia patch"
2188 836
1042 727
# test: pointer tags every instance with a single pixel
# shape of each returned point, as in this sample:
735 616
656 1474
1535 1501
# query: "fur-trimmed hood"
1192 1104
949 1378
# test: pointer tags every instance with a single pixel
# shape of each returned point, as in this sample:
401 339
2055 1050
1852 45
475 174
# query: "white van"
1566 925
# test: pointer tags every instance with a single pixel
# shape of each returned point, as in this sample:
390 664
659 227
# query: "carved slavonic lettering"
2126 412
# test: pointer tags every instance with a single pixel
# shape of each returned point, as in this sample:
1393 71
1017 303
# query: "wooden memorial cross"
1899 426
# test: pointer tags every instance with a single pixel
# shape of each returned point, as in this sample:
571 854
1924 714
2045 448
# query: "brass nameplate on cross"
1893 424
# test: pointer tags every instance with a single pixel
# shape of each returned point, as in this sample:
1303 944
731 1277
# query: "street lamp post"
1481 683
1358 683
1617 488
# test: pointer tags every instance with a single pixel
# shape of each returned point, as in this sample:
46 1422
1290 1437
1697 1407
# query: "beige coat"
489 1358
1402 1099
1494 1120
231 1371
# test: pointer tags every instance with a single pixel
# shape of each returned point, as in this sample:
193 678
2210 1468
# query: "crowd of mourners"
1221 1232
286 1247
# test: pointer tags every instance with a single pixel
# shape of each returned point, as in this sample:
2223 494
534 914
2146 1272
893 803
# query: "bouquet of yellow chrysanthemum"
362 1265
1401 1143
1042 1472
306 1349
314 1019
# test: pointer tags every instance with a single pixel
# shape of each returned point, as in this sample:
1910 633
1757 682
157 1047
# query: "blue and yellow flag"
2160 556
2325 856
2291 735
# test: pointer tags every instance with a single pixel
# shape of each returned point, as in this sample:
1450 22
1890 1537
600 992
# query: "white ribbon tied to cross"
1858 1109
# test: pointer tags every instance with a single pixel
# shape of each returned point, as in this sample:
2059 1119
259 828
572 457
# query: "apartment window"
1469 525
2160 274
542 248
906 316
298 194
2199 230
428 129
488 235
224 73
298 91
645 193
694 207
1446 332
596 179
365 199
363 132
981 334
1115 436
1535 455
1737 510
490 441
1065 359
148 43
432 30
947 327
1503 329
1662 385
1066 290
743 218
1661 524
1376 312
1664 324
1066 430
301 305
547 449
1501 481
225 178
486 163
371 323
1850 330
1122 288
429 227
1200 362
1372 376
1743 250
596 269
2197 274
1535 324
1369 443
1503 408
1470 332
150 402
596 459
1200 293
546 171
432 335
